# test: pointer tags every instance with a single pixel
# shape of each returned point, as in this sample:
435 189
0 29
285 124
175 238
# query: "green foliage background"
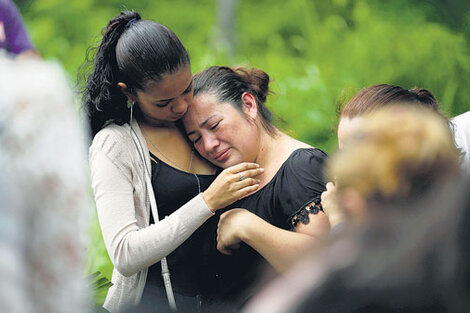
318 53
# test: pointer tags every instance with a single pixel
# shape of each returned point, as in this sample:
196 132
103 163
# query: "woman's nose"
180 106
210 143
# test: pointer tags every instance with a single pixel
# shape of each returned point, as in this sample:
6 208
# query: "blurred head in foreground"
414 261
400 171
43 191
395 156
378 96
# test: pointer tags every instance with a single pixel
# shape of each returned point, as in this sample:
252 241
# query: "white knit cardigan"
123 205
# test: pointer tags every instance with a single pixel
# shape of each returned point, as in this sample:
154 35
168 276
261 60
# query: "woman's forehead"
170 85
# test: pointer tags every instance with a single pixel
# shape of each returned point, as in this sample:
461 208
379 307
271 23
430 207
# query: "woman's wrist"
208 199
247 224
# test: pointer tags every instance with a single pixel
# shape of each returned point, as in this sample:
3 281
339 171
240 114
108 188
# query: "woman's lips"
222 156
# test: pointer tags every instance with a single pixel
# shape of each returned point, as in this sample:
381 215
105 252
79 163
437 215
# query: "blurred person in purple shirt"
14 38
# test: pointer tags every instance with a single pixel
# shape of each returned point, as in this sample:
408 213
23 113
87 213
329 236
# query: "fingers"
245 178
326 197
232 184
243 183
330 186
250 172
222 244
241 167
242 171
226 249
246 191
246 183
223 249
235 246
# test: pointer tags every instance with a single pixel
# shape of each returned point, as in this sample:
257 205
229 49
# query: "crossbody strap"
153 207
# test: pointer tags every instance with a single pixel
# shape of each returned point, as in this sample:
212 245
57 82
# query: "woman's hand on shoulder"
330 205
232 184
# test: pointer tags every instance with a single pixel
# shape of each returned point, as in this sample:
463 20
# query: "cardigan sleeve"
131 247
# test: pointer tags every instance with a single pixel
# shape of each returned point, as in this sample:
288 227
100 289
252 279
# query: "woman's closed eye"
215 126
162 104
188 90
198 139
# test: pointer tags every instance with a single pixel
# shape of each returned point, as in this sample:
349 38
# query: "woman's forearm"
132 246
281 248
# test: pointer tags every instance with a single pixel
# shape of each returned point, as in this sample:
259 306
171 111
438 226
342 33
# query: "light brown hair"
397 154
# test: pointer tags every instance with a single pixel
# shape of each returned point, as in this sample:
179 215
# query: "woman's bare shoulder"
292 144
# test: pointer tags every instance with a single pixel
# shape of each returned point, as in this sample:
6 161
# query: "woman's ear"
250 106
126 92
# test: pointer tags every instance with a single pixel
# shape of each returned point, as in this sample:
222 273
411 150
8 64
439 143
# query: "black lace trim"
303 215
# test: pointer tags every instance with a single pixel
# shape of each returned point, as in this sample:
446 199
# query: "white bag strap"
153 208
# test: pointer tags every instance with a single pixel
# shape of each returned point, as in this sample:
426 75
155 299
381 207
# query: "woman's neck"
267 145
271 154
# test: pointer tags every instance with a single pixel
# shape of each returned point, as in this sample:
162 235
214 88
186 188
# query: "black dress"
191 263
281 202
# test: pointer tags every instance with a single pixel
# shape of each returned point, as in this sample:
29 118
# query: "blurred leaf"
99 284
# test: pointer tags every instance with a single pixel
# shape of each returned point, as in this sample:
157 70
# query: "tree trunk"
226 14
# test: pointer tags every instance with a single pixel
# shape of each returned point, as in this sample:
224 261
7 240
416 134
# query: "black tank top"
190 263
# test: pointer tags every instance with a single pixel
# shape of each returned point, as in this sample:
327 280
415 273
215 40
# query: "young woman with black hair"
140 86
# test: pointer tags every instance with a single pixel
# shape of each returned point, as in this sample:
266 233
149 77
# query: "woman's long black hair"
132 51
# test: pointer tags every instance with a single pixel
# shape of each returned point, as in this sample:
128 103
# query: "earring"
132 109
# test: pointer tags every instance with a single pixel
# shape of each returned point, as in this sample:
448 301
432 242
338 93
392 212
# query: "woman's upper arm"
129 245
114 200
313 222
301 190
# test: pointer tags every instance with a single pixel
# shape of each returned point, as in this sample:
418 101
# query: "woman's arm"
281 248
301 182
131 247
